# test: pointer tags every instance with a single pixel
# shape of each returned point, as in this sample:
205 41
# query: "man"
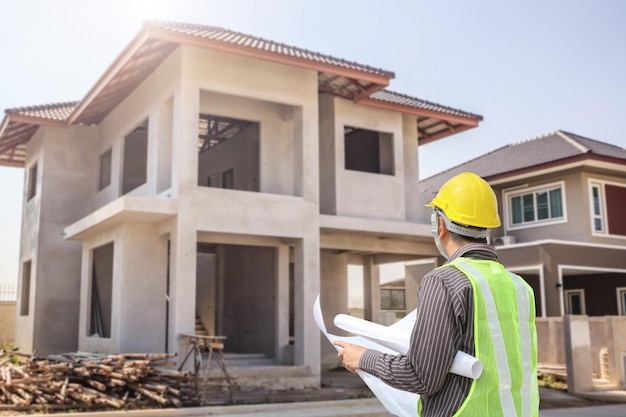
472 304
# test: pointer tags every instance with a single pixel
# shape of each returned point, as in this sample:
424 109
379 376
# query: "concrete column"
308 151
185 134
577 354
414 208
333 299
182 285
282 305
371 290
142 301
306 289
414 274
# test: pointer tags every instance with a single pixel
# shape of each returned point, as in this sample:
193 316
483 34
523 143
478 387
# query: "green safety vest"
505 340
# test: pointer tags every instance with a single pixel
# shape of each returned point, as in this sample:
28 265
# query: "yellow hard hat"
469 200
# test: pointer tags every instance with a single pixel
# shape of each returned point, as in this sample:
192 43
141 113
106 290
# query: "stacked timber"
90 381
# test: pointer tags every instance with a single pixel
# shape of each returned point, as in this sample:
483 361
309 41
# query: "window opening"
214 180
32 181
135 162
228 179
368 151
104 179
25 291
226 144
101 297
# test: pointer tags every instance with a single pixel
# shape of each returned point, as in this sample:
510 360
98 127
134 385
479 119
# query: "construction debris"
89 381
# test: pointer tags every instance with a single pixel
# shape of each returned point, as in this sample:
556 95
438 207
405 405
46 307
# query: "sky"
529 67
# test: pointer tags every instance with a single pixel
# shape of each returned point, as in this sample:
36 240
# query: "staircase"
200 330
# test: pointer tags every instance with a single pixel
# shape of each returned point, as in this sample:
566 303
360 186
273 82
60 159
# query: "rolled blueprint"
398 341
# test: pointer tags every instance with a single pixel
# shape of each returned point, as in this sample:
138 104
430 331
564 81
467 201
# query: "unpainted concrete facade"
126 263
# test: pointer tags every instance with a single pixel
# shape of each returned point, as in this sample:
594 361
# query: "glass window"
543 208
575 301
542 205
597 208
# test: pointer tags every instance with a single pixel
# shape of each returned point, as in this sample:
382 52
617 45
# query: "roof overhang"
582 161
155 41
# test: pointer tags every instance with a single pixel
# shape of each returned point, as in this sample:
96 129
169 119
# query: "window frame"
568 301
594 182
511 193
621 307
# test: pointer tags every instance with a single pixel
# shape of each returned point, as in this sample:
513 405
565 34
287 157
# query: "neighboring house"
562 202
217 175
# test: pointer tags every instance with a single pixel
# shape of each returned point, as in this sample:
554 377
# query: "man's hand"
350 355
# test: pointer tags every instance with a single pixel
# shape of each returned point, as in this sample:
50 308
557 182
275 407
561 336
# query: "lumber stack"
90 381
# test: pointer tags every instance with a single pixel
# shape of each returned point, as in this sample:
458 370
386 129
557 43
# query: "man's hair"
458 238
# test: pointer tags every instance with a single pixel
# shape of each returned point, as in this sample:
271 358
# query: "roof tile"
255 42
55 111
533 152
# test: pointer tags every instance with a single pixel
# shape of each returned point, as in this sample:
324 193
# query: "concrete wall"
273 160
333 299
362 194
236 86
138 317
152 100
604 332
7 322
65 160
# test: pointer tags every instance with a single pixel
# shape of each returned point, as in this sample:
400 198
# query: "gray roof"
535 152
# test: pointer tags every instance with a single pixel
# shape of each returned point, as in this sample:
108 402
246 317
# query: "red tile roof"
56 111
241 39
157 39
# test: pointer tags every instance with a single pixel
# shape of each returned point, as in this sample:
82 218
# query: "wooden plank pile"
90 381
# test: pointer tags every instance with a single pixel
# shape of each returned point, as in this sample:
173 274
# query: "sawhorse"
196 344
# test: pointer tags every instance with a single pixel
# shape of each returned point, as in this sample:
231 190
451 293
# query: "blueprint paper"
397 402
392 339
397 338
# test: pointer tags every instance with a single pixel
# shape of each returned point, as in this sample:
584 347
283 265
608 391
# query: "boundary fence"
8 292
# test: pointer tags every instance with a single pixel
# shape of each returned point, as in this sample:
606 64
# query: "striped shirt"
444 325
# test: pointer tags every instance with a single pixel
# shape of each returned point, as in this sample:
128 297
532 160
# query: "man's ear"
442 230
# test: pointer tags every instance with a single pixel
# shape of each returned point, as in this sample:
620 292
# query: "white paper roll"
463 364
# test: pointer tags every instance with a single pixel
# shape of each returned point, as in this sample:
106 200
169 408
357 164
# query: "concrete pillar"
414 274
616 367
306 289
142 289
414 207
282 305
185 127
182 286
333 299
371 289
578 354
